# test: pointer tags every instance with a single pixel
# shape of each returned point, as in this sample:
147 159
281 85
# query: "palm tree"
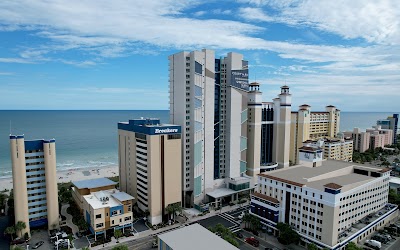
10 231
255 222
117 234
246 219
173 208
19 227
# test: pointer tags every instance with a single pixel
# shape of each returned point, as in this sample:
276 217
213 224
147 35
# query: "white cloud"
374 21
13 60
6 73
254 14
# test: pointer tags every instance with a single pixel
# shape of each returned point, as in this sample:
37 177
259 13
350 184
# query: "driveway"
140 226
74 228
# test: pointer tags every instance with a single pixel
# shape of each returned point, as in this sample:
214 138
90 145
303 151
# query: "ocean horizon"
88 138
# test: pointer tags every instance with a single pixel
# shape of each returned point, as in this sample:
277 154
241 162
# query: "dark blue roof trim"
149 127
16 136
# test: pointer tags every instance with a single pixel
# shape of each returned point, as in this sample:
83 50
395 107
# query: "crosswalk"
236 225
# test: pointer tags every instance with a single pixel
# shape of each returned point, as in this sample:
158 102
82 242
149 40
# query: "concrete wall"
17 147
51 185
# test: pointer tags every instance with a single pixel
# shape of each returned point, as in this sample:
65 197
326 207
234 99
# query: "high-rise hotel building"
150 165
209 99
307 125
34 182
228 133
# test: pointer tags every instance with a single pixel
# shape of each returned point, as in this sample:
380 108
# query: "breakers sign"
166 130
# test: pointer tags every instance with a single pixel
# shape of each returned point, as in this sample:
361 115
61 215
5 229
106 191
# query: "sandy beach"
72 175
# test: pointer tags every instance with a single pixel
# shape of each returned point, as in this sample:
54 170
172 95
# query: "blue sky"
81 54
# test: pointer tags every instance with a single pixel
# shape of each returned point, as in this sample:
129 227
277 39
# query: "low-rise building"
333 149
193 237
328 205
104 207
394 183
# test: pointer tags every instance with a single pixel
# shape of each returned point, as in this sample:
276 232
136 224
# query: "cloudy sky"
101 54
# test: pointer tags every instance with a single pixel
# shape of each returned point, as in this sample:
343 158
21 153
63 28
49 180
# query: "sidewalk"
69 219
155 232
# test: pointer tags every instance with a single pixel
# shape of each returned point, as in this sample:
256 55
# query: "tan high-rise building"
34 182
254 129
307 125
361 140
150 165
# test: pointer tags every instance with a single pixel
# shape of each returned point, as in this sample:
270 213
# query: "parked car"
380 239
252 241
373 244
17 241
38 244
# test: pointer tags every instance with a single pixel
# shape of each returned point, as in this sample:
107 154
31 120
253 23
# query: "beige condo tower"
150 165
34 182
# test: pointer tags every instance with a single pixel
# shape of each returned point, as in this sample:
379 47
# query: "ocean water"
89 138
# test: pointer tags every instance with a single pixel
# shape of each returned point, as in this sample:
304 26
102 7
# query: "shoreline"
73 174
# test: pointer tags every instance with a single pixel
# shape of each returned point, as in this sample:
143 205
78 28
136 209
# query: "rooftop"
106 198
149 126
94 183
332 173
182 239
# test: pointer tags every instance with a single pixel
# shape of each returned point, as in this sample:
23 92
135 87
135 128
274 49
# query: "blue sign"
240 79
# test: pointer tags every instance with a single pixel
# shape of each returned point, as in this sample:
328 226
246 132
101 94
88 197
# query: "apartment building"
390 123
329 203
361 140
334 149
150 165
104 208
34 182
380 137
307 125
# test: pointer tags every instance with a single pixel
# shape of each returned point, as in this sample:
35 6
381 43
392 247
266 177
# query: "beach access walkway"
74 228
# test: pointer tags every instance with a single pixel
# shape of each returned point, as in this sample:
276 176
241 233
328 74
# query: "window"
114 212
127 218
98 216
99 225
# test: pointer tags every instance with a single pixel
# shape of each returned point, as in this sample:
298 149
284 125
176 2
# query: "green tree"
117 234
16 248
286 234
85 248
312 246
11 231
19 227
120 247
255 222
352 246
225 233
246 219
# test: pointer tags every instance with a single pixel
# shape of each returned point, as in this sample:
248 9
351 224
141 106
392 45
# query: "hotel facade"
34 182
104 208
307 125
227 131
340 149
329 203
150 165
